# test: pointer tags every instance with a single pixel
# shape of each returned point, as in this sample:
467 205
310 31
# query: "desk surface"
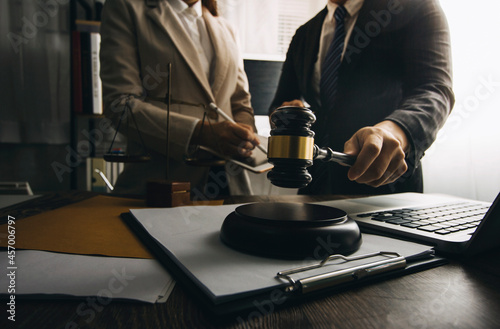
456 295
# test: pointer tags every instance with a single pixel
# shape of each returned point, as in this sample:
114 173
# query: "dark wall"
263 77
33 163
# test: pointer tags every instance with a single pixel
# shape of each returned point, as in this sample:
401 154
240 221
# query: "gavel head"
291 146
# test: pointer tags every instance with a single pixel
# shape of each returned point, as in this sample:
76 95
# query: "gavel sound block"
292 230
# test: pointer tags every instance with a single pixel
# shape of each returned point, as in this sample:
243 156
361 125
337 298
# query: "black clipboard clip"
312 283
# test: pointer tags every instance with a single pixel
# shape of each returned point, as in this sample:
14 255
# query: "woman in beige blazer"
139 40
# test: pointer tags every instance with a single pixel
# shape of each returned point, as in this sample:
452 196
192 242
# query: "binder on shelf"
87 26
95 44
91 82
227 282
76 72
87 85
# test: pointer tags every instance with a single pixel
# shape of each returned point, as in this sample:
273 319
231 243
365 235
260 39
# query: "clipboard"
284 290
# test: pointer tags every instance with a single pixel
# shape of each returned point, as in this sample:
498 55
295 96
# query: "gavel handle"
327 154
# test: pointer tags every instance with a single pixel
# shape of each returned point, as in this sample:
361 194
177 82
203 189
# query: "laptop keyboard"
441 219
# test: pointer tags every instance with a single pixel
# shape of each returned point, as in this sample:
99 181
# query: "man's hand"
232 139
380 152
295 102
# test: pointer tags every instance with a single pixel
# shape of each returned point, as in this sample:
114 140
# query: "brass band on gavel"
291 147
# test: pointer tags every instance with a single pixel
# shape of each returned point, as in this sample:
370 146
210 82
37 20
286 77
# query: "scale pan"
126 158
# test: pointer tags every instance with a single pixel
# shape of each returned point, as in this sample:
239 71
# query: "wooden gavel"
291 148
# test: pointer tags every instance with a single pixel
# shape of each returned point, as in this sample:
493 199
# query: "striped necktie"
331 63
328 88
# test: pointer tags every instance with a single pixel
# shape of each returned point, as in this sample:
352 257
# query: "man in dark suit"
393 91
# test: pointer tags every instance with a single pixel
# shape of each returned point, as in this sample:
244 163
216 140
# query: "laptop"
453 225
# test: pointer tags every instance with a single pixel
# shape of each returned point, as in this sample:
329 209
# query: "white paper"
41 272
191 234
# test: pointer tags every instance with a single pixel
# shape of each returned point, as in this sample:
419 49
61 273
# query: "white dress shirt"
194 24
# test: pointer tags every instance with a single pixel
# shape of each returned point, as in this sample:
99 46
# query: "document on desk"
187 240
8 200
51 275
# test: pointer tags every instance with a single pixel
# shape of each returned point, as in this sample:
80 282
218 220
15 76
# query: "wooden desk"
456 295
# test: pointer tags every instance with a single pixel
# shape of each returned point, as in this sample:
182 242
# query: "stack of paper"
50 275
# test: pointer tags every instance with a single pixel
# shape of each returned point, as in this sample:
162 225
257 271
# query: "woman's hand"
231 139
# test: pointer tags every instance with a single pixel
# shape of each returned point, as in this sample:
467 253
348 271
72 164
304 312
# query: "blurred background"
43 142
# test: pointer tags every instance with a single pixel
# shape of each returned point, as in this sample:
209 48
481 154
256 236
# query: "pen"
215 108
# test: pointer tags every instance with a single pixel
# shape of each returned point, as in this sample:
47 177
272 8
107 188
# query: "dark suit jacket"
397 66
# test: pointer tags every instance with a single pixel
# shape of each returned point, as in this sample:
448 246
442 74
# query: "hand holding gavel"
291 148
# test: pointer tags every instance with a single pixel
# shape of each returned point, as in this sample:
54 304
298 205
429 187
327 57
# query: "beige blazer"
138 42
